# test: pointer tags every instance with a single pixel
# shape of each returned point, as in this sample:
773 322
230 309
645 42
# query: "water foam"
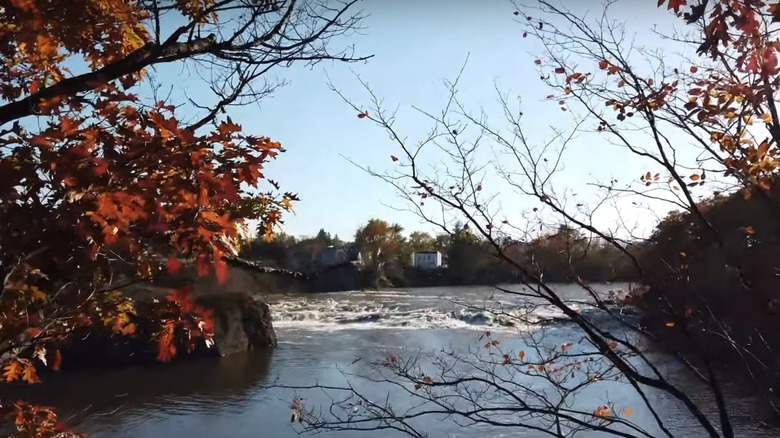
332 314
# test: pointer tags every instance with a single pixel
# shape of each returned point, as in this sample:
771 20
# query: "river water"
324 336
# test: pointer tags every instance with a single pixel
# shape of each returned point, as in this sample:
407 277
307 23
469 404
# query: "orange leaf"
695 177
13 371
37 140
613 70
670 324
763 148
627 412
621 83
30 375
612 345
604 64
694 69
521 355
35 85
749 230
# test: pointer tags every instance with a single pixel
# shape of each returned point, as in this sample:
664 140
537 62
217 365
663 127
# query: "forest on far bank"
561 255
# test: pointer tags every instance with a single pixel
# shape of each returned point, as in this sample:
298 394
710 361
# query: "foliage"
686 261
98 180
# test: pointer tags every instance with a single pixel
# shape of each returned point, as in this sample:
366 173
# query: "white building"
426 260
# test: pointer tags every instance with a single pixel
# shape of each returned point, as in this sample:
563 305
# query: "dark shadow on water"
201 386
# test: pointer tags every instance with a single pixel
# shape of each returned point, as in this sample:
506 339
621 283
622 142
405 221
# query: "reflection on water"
115 399
231 396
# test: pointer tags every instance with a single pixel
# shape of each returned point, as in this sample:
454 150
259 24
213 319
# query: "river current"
325 336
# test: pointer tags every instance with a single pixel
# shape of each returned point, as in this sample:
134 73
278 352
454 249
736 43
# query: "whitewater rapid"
396 310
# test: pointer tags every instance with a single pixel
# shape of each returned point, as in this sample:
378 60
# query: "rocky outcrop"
242 322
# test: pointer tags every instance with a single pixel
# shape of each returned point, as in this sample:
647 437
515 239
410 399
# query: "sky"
416 44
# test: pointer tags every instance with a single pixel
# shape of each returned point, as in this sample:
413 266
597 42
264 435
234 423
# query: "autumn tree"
692 124
102 175
380 243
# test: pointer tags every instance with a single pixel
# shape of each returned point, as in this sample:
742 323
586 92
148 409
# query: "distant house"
427 259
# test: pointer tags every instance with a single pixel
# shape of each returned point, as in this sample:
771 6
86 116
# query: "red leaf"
479 188
673 4
221 270
394 158
55 364
101 166
363 115
560 70
173 265
202 265
538 62
33 331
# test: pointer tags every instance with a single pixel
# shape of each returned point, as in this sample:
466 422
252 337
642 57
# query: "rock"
258 325
241 322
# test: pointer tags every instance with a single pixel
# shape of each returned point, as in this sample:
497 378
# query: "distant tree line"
387 253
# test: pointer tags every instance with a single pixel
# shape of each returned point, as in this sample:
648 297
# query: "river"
320 338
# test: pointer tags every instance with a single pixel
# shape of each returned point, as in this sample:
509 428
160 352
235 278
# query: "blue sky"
416 45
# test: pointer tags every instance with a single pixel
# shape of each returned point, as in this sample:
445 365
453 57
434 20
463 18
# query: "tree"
713 122
465 254
379 242
418 241
325 237
97 178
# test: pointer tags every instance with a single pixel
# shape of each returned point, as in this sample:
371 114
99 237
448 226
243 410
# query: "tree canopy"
101 176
